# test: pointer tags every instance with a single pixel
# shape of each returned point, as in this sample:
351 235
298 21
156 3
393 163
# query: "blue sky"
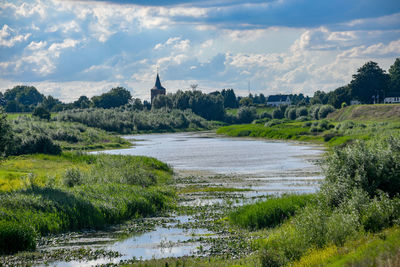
73 48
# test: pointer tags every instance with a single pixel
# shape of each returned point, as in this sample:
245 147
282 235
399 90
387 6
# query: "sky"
73 48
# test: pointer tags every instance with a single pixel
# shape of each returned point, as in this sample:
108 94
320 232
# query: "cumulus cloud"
391 49
9 38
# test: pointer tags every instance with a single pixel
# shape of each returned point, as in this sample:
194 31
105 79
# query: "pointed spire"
158 83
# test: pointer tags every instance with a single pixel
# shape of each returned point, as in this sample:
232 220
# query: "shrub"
72 177
314 111
325 110
302 111
369 167
246 114
380 213
37 144
290 113
265 115
41 113
16 237
277 114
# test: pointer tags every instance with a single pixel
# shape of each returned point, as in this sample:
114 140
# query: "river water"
262 167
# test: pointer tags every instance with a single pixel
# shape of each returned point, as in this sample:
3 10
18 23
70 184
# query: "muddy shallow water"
202 160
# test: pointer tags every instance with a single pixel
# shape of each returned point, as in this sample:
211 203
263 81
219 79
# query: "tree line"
370 84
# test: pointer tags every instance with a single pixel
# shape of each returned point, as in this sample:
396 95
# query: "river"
257 167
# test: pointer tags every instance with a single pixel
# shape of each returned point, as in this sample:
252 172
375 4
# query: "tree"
229 98
370 83
6 136
116 97
25 97
246 101
319 97
50 102
41 113
394 72
82 102
246 114
339 96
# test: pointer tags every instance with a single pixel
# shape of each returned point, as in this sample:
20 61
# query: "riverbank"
47 194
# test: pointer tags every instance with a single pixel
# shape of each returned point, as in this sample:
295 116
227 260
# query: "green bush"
269 213
367 166
72 177
325 110
277 114
16 237
246 114
290 113
301 111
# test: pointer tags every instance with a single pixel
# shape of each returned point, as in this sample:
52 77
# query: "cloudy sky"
72 48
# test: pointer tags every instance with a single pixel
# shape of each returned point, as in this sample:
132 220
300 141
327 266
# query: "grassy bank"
326 132
269 213
45 194
373 113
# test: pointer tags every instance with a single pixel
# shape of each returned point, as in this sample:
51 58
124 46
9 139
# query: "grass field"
371 113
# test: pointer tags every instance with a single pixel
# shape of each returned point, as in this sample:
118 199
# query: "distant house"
355 102
392 99
278 100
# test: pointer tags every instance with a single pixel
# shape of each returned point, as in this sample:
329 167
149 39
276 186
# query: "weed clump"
16 237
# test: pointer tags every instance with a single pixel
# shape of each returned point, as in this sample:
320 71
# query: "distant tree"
25 97
339 96
82 102
6 136
137 104
394 72
162 101
229 98
194 86
116 97
246 114
246 101
262 99
319 97
146 105
369 81
50 102
41 113
12 106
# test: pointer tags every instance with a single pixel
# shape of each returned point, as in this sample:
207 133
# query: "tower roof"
158 84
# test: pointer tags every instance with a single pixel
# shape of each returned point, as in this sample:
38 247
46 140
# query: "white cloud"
9 38
37 45
373 51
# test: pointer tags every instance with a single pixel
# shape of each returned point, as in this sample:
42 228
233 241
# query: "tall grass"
355 199
132 121
269 213
92 191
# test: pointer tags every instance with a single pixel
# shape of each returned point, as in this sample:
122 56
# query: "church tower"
157 89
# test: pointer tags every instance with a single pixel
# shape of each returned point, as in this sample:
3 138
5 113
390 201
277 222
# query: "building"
392 99
278 100
157 89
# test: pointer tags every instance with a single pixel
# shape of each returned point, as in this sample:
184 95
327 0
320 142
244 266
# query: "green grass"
382 249
372 113
106 189
260 110
269 213
292 130
284 131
